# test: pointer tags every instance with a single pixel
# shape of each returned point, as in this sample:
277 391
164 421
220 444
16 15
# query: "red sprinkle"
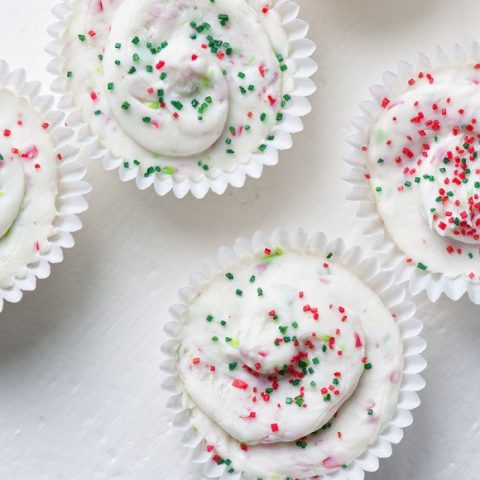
239 384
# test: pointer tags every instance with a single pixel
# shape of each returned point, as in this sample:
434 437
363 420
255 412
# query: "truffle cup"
432 283
379 276
301 49
70 201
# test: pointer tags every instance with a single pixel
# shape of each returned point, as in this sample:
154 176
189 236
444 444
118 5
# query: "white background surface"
80 395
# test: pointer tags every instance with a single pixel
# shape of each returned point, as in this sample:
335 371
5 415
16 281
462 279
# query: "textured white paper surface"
80 395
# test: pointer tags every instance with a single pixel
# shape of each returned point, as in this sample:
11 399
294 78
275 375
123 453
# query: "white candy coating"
242 350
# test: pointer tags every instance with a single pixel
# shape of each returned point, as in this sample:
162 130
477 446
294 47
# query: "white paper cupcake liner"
301 50
71 187
375 274
434 284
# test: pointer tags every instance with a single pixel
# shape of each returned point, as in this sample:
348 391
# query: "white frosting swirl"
12 189
293 365
424 169
189 86
28 186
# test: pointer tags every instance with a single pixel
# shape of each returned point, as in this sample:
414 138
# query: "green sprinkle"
223 323
380 160
82 38
195 103
178 105
315 361
117 62
118 46
252 279
262 147
110 86
241 75
149 68
368 366
232 366
98 112
215 339
259 292
146 119
136 57
263 117
136 162
421 266
125 105
229 276
238 292
370 411
224 19
209 318
378 189
136 41
132 70
69 74
126 165
299 401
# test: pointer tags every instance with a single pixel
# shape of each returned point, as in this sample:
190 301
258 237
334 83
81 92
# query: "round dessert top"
292 364
192 87
424 170
28 186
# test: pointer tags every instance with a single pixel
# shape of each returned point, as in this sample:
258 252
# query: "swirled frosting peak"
424 169
178 86
28 186
293 365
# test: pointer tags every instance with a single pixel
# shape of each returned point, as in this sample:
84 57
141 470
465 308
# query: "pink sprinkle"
358 341
329 462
